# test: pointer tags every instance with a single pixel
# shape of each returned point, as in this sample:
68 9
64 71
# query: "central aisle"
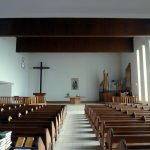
76 133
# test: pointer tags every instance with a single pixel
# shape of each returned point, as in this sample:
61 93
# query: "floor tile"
76 133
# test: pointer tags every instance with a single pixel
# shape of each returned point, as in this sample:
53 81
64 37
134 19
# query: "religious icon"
128 77
74 83
105 82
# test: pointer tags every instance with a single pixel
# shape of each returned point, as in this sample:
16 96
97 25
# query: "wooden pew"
30 131
35 118
128 128
132 146
52 120
116 118
39 112
19 108
39 121
102 111
112 139
15 113
35 123
45 114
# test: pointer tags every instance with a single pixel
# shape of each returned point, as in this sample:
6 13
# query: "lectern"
40 97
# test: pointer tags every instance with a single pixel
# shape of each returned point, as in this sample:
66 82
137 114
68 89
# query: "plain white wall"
5 89
75 8
132 58
88 67
147 47
126 59
138 45
10 66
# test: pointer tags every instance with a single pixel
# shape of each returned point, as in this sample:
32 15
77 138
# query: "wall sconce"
23 63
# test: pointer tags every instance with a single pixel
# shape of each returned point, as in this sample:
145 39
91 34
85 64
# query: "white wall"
138 45
132 58
75 8
5 89
88 67
10 66
126 59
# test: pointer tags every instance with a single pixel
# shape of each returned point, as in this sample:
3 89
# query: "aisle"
76 133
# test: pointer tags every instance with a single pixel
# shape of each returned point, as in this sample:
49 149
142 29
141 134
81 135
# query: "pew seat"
132 146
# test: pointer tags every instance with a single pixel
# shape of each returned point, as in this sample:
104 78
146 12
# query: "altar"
75 99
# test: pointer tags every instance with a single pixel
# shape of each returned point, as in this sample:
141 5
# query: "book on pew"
5 139
20 142
29 142
5 134
2 143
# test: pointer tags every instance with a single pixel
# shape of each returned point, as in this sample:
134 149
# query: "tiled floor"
76 133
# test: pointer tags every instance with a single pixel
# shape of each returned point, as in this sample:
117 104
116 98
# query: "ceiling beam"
74 44
73 27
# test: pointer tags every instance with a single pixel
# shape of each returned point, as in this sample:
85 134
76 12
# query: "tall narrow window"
149 45
139 74
145 73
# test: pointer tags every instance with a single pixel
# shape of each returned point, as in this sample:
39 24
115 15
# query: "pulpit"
40 97
106 96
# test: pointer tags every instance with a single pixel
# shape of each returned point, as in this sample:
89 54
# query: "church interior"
74 75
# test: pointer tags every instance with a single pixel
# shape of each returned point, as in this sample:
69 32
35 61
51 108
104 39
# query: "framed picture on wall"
74 83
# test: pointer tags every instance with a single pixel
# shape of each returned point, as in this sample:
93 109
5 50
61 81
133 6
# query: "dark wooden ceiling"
74 34
74 44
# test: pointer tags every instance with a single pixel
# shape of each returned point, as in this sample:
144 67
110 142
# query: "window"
139 74
145 72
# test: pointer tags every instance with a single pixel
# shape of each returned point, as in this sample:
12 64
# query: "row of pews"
121 126
42 122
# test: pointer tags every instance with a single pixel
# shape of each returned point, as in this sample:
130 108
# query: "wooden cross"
41 68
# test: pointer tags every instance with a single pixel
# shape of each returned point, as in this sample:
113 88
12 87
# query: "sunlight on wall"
145 72
139 74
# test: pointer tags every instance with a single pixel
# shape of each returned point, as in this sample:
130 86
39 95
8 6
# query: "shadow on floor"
88 148
85 132
86 138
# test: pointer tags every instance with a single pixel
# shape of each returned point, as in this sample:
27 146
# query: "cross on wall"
41 68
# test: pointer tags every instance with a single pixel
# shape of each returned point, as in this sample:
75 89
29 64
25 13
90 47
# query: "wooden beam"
74 44
72 27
